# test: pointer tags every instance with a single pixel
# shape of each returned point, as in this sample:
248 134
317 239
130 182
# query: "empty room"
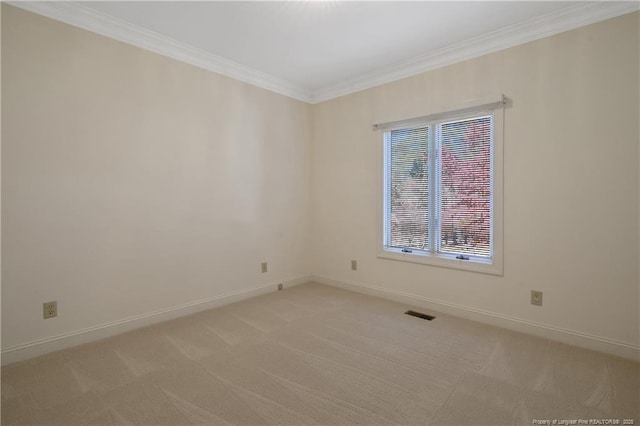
320 213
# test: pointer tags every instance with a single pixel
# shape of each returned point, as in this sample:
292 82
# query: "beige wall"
133 183
570 178
0 177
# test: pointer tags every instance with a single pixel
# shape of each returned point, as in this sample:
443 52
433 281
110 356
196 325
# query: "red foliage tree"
466 187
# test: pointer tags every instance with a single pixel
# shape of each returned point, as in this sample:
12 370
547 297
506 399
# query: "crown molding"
91 20
574 16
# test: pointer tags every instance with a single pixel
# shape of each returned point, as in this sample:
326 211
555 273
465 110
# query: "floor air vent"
419 315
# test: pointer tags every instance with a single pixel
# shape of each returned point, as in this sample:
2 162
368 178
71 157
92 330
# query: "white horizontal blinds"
408 189
465 187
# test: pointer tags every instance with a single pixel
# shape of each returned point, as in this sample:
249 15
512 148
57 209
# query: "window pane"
465 187
408 190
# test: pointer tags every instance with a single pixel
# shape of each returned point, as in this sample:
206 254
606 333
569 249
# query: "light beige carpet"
313 354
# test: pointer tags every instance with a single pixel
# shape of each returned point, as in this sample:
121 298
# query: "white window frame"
492 265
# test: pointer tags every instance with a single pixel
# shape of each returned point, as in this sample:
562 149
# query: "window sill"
492 268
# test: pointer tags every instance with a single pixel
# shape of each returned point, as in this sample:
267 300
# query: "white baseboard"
43 346
571 337
51 344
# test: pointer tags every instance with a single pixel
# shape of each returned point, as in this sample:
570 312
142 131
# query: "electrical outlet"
354 265
264 267
49 309
279 286
536 298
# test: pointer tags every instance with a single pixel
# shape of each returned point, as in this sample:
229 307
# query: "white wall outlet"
354 265
49 309
536 298
264 267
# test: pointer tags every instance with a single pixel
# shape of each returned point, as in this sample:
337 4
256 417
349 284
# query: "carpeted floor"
313 354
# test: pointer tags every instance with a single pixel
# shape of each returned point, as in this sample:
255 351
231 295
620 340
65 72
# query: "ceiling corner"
575 16
88 19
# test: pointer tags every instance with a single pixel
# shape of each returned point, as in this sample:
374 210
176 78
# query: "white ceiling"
315 50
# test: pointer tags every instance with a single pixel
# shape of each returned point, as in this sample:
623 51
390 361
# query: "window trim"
493 266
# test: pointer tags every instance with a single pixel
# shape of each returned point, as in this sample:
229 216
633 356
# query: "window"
442 191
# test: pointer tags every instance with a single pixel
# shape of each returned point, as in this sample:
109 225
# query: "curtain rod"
487 106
